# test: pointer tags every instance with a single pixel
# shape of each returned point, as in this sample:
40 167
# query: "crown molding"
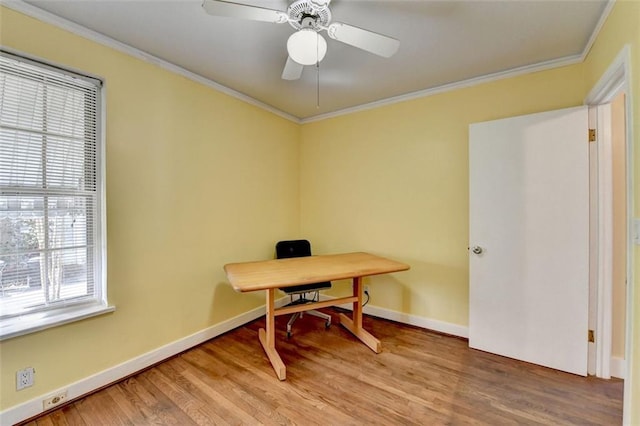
596 31
65 24
541 66
82 31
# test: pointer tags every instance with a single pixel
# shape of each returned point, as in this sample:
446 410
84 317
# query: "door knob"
477 250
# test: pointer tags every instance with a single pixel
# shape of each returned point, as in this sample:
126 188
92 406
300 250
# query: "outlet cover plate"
24 378
54 400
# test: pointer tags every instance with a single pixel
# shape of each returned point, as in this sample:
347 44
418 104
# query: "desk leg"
268 337
355 325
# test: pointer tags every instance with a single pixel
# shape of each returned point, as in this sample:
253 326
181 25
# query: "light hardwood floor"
420 378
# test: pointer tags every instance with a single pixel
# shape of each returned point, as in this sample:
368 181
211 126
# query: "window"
52 255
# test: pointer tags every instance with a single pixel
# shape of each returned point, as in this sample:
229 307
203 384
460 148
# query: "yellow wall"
394 181
623 27
195 179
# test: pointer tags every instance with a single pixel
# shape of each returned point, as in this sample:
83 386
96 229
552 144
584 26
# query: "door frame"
616 79
600 241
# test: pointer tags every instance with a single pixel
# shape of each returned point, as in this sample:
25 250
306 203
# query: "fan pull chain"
317 72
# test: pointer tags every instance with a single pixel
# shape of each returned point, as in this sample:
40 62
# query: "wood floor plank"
129 405
419 378
278 393
101 410
205 365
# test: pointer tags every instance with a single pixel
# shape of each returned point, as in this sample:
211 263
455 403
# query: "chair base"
313 312
301 300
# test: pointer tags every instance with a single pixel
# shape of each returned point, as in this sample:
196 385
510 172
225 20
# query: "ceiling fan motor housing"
313 14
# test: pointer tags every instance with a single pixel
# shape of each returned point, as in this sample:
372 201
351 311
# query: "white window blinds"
50 212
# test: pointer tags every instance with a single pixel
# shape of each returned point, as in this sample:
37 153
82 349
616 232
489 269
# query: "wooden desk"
270 275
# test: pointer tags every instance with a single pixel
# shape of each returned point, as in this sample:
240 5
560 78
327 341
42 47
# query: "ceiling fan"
306 46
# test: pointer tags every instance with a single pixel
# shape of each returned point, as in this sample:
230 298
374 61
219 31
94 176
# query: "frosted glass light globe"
306 47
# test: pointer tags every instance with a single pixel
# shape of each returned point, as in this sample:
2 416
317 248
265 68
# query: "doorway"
614 287
608 238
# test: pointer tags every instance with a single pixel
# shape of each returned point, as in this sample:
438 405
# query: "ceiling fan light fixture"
306 47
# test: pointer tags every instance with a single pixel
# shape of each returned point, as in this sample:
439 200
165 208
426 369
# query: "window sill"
31 323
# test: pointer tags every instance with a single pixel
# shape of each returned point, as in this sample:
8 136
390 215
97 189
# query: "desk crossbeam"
313 305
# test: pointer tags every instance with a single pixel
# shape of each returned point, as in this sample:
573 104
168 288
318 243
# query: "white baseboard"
618 367
428 323
87 385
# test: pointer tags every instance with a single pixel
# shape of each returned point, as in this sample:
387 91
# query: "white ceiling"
441 42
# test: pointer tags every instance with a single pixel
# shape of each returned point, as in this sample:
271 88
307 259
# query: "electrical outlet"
54 400
366 289
24 378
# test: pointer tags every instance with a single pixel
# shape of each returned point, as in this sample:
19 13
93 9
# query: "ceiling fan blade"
364 39
292 70
243 11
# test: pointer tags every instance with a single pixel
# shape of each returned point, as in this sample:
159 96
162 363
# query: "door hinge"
592 135
592 336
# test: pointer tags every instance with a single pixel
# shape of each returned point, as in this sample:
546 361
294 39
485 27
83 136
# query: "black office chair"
301 248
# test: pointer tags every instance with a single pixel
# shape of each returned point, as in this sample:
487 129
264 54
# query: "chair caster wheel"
288 334
327 324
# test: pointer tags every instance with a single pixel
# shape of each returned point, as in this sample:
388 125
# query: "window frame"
64 313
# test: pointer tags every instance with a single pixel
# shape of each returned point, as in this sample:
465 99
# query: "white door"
529 238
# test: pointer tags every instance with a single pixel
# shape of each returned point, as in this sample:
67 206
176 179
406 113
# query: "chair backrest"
293 248
298 248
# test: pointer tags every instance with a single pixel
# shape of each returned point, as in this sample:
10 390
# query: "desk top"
276 273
